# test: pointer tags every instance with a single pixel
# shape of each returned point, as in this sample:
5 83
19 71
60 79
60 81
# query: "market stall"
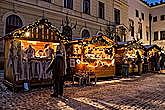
151 49
28 52
94 55
126 57
152 54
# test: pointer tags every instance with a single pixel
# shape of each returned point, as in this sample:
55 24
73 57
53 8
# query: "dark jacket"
57 66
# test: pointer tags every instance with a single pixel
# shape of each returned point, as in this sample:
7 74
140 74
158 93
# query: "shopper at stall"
157 66
58 68
145 62
162 60
152 62
139 62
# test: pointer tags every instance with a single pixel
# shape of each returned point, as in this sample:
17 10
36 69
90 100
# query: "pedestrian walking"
58 68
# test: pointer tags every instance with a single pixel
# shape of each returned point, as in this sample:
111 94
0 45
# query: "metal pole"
150 20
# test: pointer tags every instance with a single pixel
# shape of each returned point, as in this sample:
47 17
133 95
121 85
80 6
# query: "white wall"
142 8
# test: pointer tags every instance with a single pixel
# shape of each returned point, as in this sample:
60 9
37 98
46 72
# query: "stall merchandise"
94 54
153 55
126 56
28 52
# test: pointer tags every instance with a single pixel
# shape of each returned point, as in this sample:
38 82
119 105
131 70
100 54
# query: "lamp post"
150 20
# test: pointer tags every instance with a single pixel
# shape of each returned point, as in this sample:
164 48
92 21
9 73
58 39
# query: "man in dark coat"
139 62
58 68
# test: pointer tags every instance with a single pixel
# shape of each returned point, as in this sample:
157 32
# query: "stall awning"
129 44
149 47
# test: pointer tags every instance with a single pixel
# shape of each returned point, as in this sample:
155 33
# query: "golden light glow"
32 42
27 34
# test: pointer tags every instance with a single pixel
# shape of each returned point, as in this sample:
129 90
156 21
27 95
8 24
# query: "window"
47 1
155 36
137 13
68 4
155 19
117 16
101 10
85 34
142 16
162 35
131 27
86 6
162 17
13 22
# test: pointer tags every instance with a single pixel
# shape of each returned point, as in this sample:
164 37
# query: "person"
138 62
152 61
125 67
30 52
58 68
156 64
40 53
145 62
48 51
162 60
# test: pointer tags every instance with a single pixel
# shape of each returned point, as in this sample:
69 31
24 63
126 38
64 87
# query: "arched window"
13 22
85 34
67 32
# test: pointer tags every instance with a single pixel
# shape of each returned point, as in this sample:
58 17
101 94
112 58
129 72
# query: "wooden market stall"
151 50
94 54
28 52
126 55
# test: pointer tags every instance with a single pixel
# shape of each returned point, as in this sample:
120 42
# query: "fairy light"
27 34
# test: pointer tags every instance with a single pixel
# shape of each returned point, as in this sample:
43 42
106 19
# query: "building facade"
124 20
158 25
83 17
121 18
138 13
139 22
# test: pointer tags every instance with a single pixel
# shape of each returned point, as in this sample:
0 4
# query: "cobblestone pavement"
144 93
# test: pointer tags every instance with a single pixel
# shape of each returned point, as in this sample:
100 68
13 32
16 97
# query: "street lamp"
150 20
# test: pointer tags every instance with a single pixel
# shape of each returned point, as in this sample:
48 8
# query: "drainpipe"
150 20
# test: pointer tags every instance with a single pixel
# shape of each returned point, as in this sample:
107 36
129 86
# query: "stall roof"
122 43
41 30
92 40
95 39
149 47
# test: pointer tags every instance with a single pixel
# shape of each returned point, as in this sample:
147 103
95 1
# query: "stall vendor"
48 51
40 53
30 52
